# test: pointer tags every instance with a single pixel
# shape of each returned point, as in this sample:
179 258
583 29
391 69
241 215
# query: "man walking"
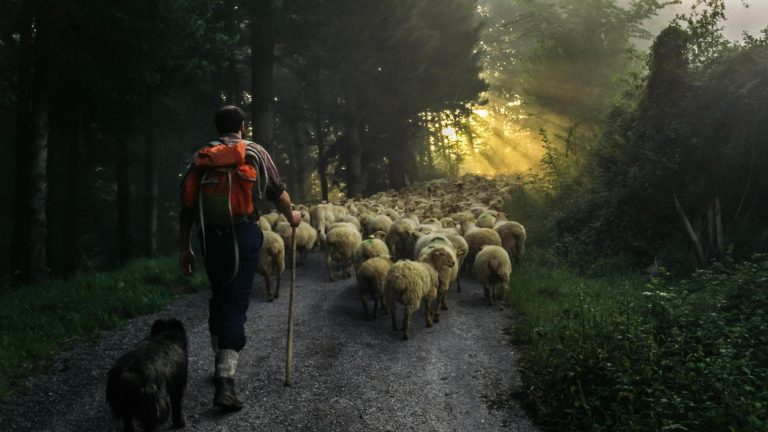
220 193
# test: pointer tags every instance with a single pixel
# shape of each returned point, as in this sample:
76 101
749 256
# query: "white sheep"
462 248
321 218
369 248
477 238
350 220
271 219
370 282
272 261
410 283
512 238
264 224
401 238
445 274
306 237
340 247
378 223
492 268
486 220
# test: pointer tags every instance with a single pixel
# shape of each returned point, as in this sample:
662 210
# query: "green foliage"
38 320
614 354
692 130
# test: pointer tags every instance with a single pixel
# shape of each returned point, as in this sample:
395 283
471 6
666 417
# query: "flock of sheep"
406 247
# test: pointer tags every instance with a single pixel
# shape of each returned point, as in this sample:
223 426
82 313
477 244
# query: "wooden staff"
289 354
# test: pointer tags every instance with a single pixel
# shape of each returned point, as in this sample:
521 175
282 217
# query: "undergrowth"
625 354
39 320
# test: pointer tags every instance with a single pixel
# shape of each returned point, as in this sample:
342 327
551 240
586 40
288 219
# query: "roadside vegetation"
40 320
618 353
643 298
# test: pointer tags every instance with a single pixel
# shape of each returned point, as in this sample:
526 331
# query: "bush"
37 320
616 354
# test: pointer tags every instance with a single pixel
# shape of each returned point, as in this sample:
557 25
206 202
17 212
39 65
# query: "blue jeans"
230 296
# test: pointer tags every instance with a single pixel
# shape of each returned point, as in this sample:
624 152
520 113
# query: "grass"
39 320
619 353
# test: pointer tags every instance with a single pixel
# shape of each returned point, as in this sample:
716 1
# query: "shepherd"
221 192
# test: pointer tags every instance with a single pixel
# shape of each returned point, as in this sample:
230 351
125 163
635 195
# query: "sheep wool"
409 283
492 268
379 223
512 238
306 237
369 248
272 261
401 237
477 238
370 282
445 273
341 244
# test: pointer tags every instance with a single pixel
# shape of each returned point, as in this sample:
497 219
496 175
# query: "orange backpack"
220 184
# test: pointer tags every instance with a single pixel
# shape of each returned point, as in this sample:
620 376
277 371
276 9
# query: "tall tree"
30 229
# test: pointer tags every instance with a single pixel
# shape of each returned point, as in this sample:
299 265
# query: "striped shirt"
253 153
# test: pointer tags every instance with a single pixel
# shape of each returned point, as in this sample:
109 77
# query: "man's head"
229 119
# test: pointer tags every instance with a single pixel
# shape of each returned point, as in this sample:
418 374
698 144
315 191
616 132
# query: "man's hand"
295 218
187 261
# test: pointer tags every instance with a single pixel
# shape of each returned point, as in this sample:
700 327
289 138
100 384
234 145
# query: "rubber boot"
224 381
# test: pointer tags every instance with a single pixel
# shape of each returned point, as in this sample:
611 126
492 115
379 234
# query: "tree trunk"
691 233
231 81
39 183
20 243
74 178
322 161
150 210
355 181
29 262
396 167
262 79
124 203
299 164
719 228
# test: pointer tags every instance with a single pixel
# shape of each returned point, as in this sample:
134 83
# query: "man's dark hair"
228 119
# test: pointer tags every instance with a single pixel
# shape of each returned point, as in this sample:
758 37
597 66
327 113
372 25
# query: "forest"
632 153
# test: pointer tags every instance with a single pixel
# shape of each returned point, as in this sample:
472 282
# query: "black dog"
149 381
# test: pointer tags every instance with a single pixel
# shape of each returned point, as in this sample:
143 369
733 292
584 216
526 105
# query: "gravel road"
348 374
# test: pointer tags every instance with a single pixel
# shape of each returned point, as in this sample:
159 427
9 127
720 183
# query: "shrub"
613 354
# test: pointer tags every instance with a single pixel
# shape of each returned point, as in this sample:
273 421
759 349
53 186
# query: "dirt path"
348 375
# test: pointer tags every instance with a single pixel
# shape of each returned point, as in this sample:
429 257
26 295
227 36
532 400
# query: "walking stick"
289 354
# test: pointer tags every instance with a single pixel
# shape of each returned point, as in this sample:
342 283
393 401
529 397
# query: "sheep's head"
441 258
378 234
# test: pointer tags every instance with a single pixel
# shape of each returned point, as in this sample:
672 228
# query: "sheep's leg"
279 276
440 296
375 305
328 266
458 273
303 256
392 309
365 307
444 302
382 306
407 321
489 293
266 283
429 313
